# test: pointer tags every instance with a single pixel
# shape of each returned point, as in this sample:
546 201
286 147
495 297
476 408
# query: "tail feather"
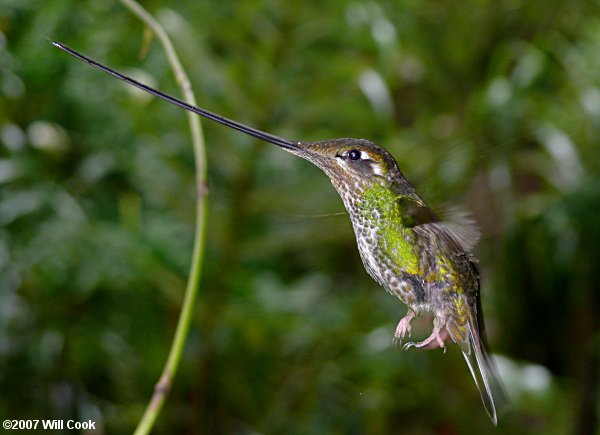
483 372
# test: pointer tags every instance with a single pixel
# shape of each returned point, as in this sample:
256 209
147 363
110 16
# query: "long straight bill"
202 112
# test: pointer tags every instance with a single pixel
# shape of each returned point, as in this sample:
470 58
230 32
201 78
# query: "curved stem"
163 386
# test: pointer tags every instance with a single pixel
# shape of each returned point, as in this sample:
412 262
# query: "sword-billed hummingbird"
404 245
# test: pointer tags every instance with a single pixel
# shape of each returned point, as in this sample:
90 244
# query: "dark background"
491 104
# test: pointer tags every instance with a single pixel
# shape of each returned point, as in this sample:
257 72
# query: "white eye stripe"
376 169
363 154
351 155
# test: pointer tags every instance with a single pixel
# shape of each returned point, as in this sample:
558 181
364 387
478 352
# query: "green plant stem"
163 386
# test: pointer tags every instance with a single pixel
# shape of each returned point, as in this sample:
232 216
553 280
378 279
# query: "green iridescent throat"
379 206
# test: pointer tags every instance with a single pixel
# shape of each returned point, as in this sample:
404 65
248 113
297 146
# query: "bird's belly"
409 288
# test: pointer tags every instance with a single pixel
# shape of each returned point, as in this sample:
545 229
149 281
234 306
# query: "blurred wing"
459 224
453 225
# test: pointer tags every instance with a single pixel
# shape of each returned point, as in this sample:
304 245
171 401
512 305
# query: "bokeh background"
491 104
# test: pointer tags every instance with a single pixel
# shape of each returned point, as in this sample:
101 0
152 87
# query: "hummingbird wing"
453 224
415 212
460 225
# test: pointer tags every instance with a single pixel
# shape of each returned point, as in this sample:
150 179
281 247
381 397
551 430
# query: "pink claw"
436 339
403 327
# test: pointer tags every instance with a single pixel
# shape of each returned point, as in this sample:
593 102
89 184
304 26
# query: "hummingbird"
417 255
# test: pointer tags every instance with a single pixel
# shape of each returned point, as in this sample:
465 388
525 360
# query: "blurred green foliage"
495 104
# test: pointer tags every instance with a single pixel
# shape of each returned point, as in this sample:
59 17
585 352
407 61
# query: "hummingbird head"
354 165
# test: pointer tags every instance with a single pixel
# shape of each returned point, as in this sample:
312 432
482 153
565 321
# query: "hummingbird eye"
354 155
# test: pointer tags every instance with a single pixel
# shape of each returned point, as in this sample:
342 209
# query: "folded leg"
403 327
437 337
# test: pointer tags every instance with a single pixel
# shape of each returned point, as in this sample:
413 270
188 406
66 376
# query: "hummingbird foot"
436 339
403 328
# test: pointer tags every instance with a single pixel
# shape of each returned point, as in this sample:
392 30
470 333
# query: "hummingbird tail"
482 370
